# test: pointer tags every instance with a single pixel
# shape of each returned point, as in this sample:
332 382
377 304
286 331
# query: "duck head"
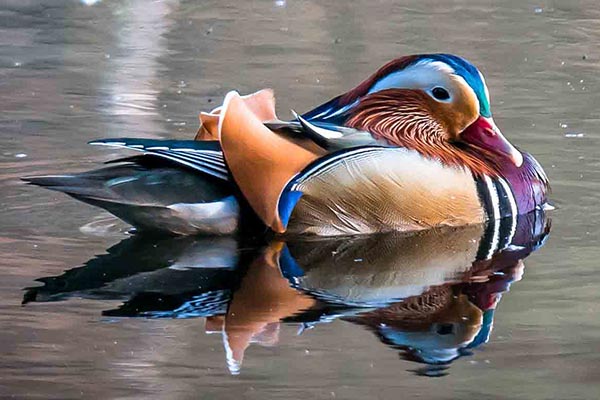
436 104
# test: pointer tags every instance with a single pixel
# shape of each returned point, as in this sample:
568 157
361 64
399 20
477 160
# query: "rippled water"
108 315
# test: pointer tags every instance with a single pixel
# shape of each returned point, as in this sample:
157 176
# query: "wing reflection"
168 277
430 294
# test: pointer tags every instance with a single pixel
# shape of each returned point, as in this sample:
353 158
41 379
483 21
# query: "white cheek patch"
424 75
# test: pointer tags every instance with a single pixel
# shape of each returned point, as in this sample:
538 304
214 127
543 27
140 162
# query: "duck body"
393 191
411 148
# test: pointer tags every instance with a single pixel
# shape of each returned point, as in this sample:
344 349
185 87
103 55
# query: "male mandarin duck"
414 146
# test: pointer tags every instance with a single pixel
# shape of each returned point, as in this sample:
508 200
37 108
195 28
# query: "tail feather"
153 196
73 185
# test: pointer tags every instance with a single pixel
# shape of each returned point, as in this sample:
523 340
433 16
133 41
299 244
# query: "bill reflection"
430 295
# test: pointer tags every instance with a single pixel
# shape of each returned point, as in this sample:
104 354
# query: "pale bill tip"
515 155
517 158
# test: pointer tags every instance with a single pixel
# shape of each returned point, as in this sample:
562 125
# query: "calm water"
108 315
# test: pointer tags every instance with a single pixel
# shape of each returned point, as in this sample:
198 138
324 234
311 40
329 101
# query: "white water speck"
563 125
358 260
17 64
574 135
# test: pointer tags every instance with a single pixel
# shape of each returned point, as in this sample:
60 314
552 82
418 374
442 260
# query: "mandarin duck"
412 147
431 294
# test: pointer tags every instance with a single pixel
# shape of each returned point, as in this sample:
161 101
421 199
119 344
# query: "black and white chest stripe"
500 206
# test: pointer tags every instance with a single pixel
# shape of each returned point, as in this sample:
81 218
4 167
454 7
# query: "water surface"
129 320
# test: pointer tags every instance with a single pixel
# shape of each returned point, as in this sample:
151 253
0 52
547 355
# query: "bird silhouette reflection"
431 295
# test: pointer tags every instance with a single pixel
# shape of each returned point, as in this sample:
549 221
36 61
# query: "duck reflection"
431 295
157 277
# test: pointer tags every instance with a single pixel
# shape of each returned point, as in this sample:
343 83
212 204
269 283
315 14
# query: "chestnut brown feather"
412 119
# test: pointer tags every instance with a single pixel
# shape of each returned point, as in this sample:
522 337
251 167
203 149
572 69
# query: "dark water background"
71 72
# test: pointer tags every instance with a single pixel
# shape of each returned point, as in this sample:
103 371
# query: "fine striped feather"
203 156
376 189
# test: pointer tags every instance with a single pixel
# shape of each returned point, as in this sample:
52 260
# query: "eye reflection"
430 295
445 329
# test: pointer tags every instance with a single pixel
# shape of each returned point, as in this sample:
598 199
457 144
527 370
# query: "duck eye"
440 93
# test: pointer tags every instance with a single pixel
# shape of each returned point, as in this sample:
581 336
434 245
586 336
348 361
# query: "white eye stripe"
439 65
421 75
